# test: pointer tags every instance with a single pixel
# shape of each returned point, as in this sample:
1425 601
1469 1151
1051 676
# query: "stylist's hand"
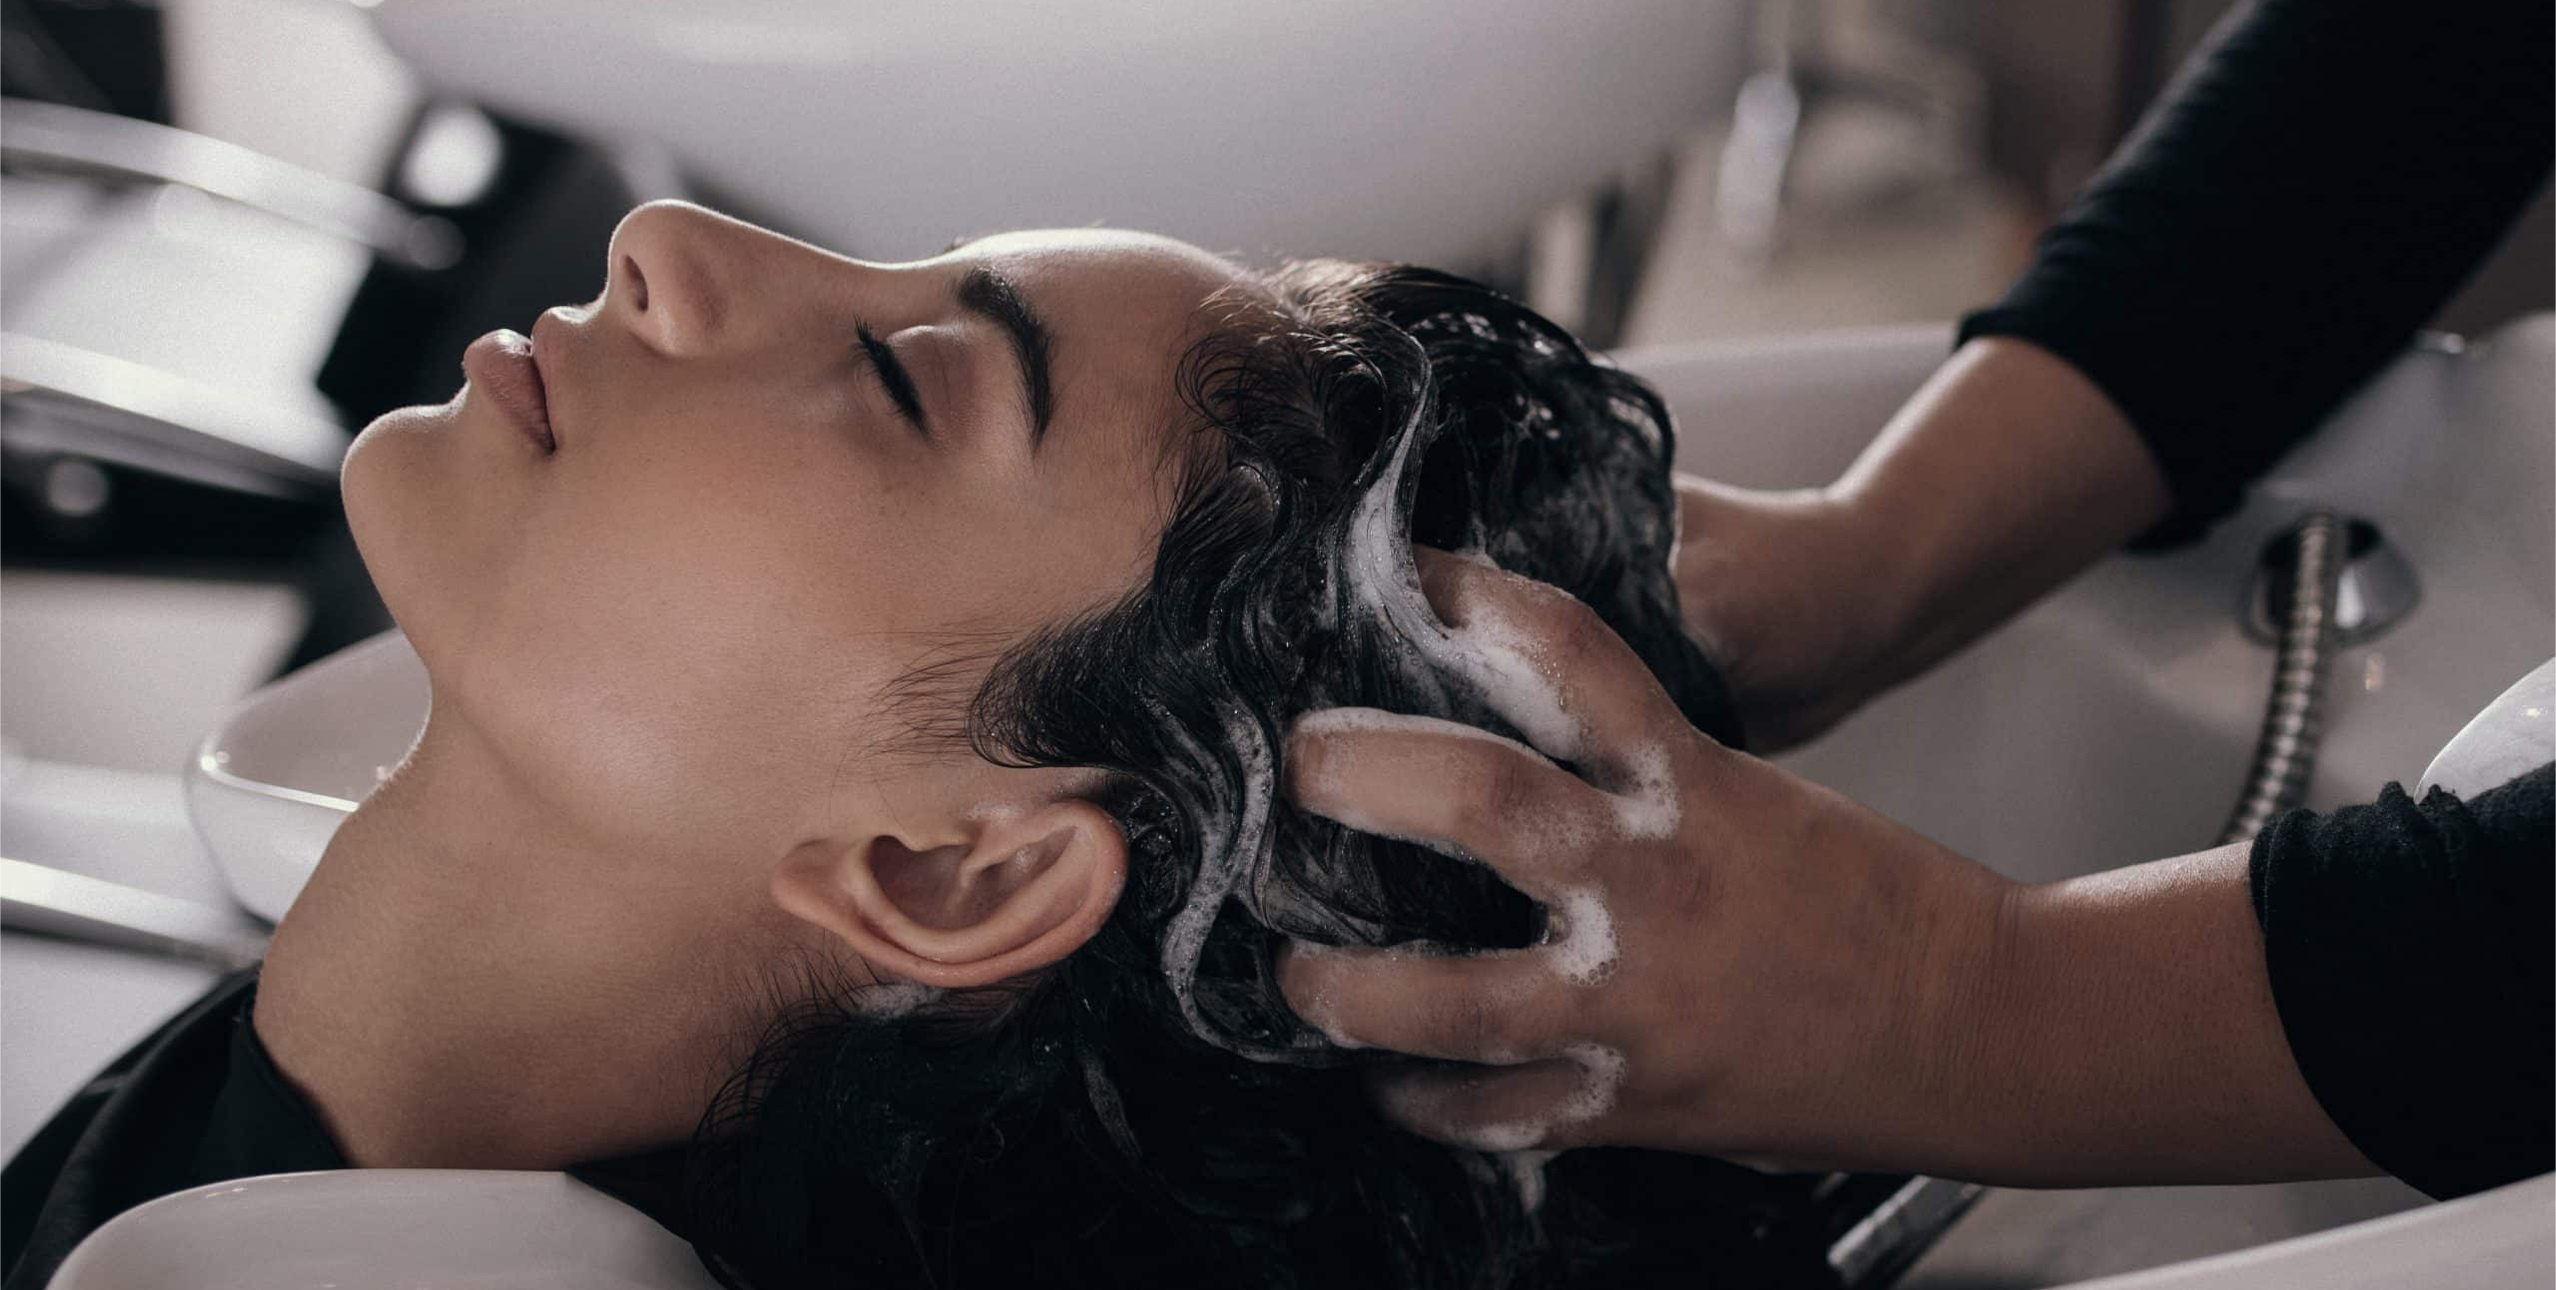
1741 963
2001 478
1777 590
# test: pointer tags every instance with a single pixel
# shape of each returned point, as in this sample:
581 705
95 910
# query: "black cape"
199 1101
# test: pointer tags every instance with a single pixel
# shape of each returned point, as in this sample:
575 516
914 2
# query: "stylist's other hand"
1999 479
1740 963
1773 589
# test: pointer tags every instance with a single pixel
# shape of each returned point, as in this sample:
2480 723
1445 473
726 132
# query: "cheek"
683 670
647 711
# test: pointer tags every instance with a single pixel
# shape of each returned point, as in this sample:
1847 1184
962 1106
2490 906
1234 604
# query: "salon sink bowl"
484 1228
2108 725
269 786
882 130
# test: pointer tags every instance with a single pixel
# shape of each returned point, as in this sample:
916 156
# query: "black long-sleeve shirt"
2309 191
2407 944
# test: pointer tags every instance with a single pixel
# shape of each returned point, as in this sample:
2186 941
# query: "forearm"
2121 1030
2006 475
2003 476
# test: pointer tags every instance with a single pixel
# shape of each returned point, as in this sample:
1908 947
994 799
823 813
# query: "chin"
367 484
401 513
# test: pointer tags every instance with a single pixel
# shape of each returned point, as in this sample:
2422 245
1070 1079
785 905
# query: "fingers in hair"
1502 1007
1550 666
1450 787
1543 1105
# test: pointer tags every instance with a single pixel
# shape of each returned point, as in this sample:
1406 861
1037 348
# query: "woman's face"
688 618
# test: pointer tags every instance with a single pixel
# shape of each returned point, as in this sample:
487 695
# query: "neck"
464 985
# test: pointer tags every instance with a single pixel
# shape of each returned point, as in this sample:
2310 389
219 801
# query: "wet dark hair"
1148 1112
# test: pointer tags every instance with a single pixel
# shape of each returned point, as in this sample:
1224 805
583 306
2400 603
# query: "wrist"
1781 591
1918 550
1881 1084
2119 1029
1961 978
1878 556
1986 1058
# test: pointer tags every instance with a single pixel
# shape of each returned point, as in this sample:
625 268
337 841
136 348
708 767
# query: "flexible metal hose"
2294 718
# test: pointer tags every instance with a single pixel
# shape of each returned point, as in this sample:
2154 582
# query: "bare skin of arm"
1786 977
2138 997
2004 476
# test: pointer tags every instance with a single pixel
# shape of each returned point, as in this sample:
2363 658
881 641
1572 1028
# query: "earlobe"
1019 894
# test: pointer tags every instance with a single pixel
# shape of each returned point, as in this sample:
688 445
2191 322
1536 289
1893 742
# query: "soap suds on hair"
1502 666
1526 1173
1235 836
1493 658
1234 840
1501 662
892 999
1488 656
1488 665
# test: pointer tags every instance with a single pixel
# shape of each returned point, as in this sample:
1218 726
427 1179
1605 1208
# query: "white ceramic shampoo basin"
269 786
485 1229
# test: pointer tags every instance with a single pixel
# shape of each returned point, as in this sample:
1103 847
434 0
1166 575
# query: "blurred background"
234 231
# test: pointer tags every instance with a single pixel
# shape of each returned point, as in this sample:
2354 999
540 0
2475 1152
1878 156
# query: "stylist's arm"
1744 964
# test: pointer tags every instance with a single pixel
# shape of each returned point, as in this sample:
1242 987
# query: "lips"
500 364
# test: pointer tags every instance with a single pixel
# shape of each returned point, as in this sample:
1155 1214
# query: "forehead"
1138 278
1120 305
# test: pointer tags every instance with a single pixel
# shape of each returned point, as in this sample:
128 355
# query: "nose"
689 281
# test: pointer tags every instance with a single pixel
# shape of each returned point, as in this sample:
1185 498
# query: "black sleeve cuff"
2409 953
2203 488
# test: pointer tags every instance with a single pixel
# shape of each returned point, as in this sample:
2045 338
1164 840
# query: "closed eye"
893 377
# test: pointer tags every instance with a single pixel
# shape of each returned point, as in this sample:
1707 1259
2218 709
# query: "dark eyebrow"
986 291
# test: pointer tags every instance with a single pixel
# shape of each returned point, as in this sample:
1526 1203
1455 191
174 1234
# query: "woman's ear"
1021 891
